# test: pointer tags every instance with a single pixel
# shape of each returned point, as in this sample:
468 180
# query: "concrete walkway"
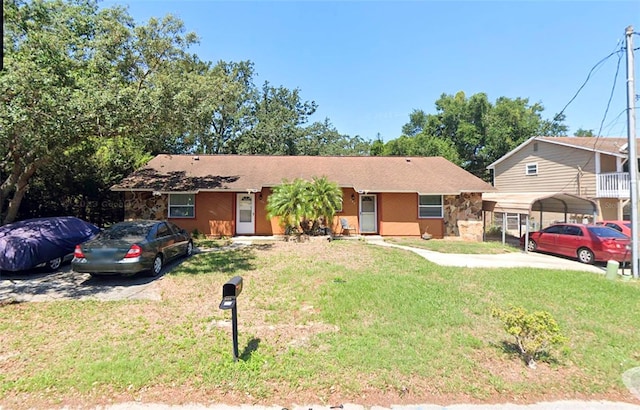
503 260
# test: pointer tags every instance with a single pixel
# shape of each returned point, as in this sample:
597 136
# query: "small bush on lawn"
535 333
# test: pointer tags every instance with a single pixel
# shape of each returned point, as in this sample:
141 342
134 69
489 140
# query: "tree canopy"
74 73
77 76
472 132
89 95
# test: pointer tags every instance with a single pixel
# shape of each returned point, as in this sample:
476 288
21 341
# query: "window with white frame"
531 168
182 205
430 206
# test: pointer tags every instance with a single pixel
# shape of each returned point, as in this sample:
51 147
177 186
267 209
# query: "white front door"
245 213
368 216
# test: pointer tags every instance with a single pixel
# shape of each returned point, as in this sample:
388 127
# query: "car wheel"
54 264
585 255
189 251
156 268
532 246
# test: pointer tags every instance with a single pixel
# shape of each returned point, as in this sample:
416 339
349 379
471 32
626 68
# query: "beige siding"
560 169
607 163
611 209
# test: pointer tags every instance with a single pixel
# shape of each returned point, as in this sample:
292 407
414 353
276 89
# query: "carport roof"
525 202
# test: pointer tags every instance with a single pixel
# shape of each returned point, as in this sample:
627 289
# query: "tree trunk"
21 185
14 203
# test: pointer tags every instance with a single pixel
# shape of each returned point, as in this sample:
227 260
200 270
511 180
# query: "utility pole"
633 156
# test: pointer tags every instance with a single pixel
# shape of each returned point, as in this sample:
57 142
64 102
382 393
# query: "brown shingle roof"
603 144
609 145
242 173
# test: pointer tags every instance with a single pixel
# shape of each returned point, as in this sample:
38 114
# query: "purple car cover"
28 243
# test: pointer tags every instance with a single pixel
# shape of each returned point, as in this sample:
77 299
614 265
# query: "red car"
587 243
622 226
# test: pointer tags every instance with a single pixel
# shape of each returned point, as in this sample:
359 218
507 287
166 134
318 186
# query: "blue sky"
368 64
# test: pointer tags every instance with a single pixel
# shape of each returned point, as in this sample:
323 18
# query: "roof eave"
510 153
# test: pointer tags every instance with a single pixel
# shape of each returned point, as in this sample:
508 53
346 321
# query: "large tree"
322 138
277 116
73 72
78 181
78 78
220 104
478 130
422 145
584 133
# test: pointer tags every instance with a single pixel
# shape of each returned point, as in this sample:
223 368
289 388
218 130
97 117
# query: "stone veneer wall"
463 216
145 205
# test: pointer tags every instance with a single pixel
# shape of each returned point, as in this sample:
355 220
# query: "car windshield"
604 232
126 231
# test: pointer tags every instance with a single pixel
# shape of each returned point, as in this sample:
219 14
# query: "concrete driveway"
503 260
38 286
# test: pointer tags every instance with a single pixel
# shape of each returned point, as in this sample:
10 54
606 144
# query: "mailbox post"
230 292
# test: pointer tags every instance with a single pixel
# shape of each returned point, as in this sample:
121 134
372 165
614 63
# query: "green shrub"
535 333
301 205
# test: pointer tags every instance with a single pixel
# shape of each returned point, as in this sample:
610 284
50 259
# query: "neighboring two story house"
582 170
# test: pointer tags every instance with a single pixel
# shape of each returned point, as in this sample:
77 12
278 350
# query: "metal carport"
528 202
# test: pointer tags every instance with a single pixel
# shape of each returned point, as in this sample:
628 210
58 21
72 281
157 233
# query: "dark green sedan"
127 248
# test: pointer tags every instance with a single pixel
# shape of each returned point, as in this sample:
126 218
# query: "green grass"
386 320
451 246
202 242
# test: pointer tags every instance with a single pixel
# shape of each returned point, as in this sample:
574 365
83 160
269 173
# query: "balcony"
613 185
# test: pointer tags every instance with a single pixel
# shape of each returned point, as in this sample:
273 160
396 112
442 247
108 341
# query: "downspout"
580 174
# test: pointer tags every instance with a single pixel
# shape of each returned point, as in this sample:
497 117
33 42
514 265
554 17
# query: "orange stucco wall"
265 226
350 199
215 213
398 216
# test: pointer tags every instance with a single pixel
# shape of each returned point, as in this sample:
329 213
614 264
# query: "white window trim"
441 206
182 206
531 164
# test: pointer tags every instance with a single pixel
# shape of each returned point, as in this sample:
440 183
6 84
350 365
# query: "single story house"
226 195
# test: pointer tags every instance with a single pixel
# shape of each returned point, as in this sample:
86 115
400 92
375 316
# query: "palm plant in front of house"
326 199
288 202
303 206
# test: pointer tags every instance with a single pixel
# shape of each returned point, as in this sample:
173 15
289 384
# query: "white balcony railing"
613 185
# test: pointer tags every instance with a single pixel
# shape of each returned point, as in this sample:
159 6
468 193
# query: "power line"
557 116
613 88
615 121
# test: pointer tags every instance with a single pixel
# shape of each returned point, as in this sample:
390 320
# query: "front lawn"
322 322
456 246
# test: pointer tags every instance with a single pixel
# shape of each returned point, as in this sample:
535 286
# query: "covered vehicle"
40 242
127 248
587 243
